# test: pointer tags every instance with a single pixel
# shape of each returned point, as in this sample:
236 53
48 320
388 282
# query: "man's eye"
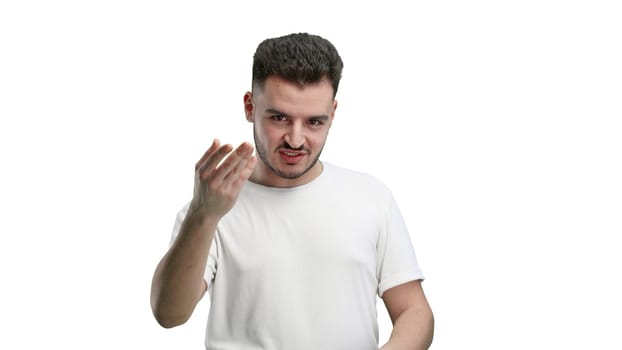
279 117
315 122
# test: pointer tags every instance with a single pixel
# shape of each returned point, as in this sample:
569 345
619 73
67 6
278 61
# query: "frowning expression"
290 127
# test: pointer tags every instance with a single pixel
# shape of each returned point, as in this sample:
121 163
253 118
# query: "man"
292 250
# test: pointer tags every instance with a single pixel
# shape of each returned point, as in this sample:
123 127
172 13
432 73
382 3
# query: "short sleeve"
212 258
397 262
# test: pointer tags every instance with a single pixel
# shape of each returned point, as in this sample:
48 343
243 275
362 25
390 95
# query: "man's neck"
263 175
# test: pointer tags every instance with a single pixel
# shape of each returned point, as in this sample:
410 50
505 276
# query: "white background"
496 124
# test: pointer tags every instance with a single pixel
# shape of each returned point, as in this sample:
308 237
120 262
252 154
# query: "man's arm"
413 321
178 283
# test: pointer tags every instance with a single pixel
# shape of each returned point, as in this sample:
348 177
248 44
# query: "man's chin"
291 171
290 175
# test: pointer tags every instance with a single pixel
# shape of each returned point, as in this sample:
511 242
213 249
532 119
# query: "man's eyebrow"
275 111
320 117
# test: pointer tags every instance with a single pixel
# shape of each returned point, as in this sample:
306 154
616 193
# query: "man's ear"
332 113
249 108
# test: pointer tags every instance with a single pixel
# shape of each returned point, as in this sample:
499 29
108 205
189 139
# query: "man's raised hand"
218 183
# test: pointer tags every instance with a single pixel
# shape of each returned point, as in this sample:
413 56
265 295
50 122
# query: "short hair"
301 58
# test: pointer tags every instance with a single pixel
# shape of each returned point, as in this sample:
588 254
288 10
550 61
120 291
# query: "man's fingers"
239 173
213 160
240 155
247 170
208 153
242 174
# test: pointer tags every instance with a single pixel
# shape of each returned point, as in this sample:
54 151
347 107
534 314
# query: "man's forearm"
177 284
412 330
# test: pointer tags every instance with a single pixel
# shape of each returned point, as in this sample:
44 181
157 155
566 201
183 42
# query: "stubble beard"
263 155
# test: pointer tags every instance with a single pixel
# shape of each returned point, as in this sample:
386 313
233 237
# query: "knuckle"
212 185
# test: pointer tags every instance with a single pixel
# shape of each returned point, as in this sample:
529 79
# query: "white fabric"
300 268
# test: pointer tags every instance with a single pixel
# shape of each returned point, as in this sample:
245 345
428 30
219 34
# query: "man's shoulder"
338 170
357 178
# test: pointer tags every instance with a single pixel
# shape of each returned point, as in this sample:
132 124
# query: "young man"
292 250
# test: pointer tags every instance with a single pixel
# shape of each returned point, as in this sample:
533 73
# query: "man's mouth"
291 157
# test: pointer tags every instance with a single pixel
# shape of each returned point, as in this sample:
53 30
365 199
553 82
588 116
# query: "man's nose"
295 137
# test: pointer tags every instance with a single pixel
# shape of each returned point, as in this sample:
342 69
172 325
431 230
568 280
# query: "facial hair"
262 152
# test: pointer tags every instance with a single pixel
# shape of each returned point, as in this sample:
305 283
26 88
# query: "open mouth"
291 157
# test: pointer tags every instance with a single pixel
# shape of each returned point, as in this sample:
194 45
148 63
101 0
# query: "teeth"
290 154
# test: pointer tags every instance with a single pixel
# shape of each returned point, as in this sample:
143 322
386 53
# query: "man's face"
291 123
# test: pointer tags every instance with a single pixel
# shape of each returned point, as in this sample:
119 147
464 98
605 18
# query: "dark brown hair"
300 58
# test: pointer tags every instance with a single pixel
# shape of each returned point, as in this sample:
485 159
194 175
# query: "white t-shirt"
299 268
